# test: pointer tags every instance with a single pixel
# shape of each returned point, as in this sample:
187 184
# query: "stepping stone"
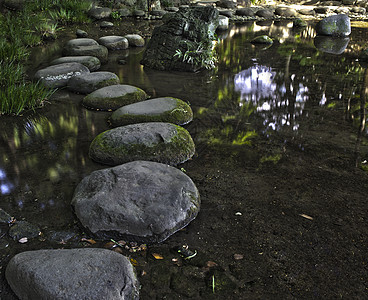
86 47
139 13
262 39
58 75
100 12
80 42
285 12
72 274
245 12
135 40
91 62
88 83
125 12
158 12
160 142
166 109
226 13
142 200
114 42
264 13
114 96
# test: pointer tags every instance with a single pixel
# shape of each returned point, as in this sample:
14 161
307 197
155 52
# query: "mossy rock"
88 83
336 25
262 39
154 141
299 23
167 109
114 96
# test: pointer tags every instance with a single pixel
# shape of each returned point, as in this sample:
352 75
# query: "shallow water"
280 166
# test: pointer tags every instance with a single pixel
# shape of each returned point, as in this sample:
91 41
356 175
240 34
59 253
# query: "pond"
281 166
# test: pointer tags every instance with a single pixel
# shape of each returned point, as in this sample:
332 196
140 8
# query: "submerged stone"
166 109
262 39
141 200
114 96
58 75
72 274
88 83
336 25
91 62
24 229
154 141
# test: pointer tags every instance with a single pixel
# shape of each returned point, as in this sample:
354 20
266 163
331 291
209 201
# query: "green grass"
21 30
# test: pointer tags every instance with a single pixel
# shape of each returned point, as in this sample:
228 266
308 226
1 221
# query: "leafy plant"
201 55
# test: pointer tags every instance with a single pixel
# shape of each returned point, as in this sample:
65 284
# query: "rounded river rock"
154 141
142 200
72 274
91 82
165 109
114 96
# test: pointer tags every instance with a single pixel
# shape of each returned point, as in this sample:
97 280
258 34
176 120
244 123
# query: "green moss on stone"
174 151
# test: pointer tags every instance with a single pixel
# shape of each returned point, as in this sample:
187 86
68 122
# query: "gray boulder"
91 62
160 142
58 75
72 274
336 25
183 32
86 47
141 200
114 96
135 40
166 109
88 83
81 33
100 13
114 42
106 24
125 12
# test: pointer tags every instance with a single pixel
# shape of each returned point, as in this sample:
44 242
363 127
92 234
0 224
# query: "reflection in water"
259 86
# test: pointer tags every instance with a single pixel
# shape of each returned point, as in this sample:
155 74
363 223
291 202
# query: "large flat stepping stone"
141 200
88 83
72 274
114 96
114 42
86 47
58 75
91 62
154 141
165 109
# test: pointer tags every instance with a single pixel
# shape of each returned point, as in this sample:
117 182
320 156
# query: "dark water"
280 135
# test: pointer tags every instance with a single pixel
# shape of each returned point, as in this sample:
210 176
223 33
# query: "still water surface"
263 111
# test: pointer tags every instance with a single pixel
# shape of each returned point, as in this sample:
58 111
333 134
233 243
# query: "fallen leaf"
211 264
157 256
23 240
306 216
238 256
91 241
110 245
134 262
117 250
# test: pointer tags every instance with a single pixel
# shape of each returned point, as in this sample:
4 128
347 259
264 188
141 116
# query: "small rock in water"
262 39
88 83
135 40
23 229
81 33
106 24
